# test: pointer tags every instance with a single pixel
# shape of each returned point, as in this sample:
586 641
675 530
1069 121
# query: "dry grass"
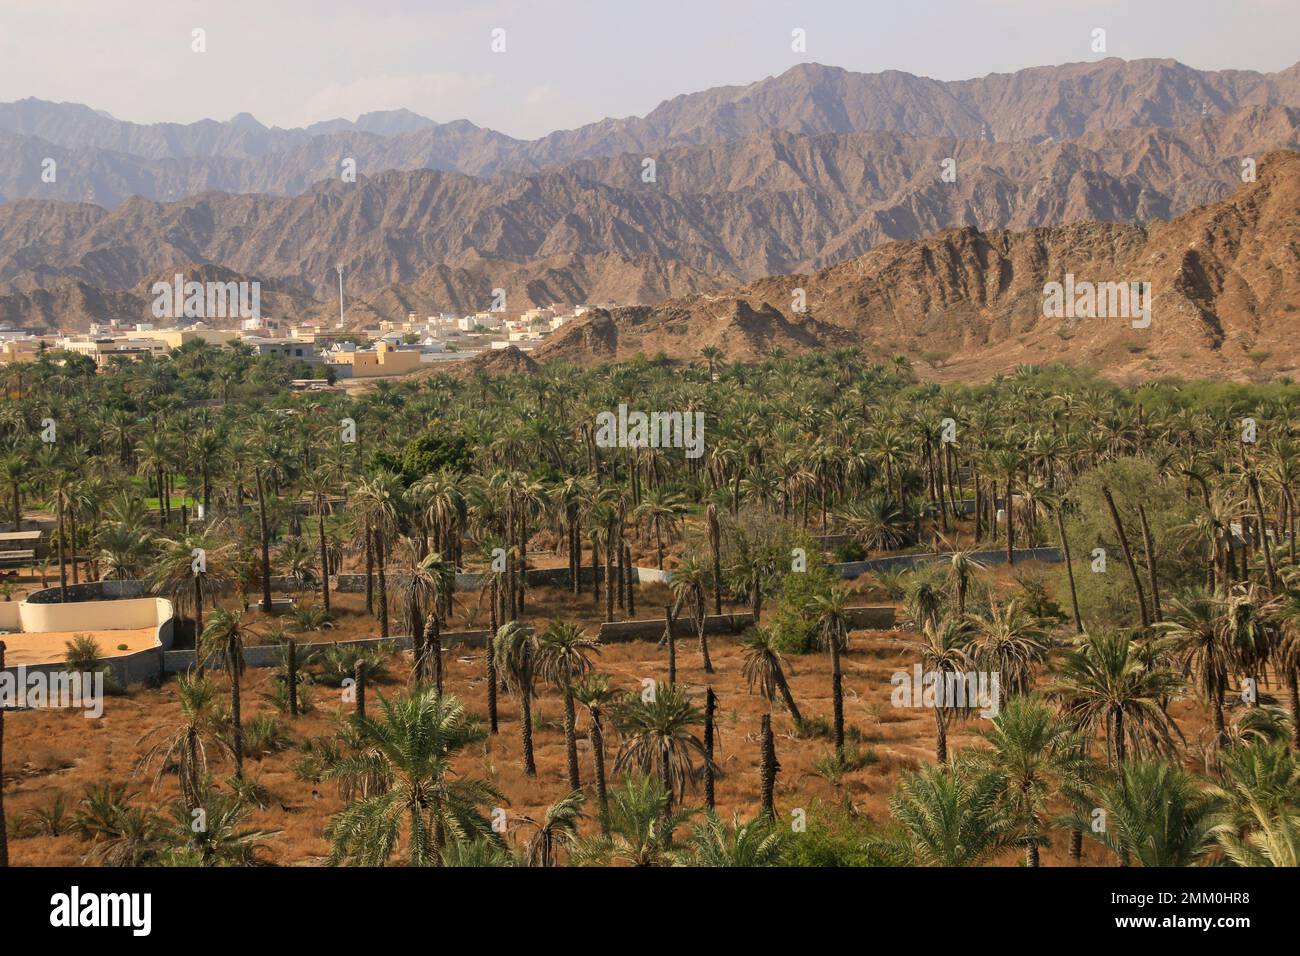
49 753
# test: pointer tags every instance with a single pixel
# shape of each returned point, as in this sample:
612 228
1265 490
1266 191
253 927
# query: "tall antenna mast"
339 267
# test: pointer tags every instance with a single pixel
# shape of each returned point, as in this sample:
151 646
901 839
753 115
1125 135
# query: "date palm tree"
943 649
595 694
1034 755
764 669
662 510
124 551
562 660
558 830
951 815
419 800
186 749
743 843
224 638
1156 815
514 649
690 586
433 582
1104 687
1011 641
1195 623
220 841
378 500
830 612
192 566
641 824
318 483
658 739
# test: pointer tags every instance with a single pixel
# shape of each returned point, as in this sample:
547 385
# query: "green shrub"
793 622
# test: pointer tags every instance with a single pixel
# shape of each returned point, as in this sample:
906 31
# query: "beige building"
104 350
175 338
19 350
383 359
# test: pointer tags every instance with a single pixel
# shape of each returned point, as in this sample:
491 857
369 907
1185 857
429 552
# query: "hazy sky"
292 62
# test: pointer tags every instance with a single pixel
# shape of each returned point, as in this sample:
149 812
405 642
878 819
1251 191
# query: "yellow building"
383 359
175 338
105 349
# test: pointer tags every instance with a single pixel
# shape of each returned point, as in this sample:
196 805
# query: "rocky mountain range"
773 203
104 160
810 172
964 303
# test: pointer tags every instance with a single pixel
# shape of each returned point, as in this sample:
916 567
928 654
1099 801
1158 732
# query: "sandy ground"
49 647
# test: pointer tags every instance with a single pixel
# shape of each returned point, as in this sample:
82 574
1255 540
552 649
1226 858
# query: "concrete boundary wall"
615 632
122 614
907 562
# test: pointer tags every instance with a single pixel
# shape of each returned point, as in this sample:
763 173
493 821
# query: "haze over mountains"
794 173
112 159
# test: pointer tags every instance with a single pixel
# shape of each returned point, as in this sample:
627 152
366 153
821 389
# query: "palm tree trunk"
671 640
609 571
1128 559
710 710
491 660
72 540
1293 680
1148 548
370 570
620 568
631 591
266 544
700 623
381 583
236 721
324 562
433 649
1011 521
941 736
571 740
597 736
1220 726
293 678
63 568
198 608
837 697
769 768
715 548
1069 570
526 717
1269 570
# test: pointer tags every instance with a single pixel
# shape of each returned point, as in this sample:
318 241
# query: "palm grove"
1179 590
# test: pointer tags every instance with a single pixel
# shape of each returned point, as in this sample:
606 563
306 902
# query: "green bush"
793 622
